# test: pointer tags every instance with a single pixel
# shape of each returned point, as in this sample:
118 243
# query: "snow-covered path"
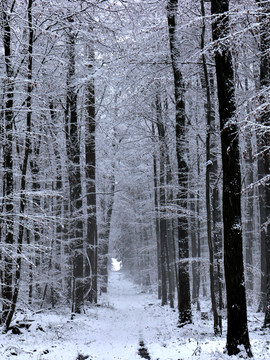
128 319
113 331
132 318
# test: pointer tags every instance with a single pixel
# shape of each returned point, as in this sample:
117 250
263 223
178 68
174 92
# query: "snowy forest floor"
114 329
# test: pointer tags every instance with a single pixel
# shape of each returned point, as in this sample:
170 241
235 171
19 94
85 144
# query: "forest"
138 131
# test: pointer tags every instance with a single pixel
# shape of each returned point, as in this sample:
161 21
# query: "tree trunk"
195 228
210 159
157 216
170 233
171 262
184 303
263 160
27 147
34 168
249 203
90 173
8 181
104 234
237 328
194 252
163 221
73 153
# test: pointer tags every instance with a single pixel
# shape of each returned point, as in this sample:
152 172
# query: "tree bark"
8 181
210 160
195 252
249 203
90 173
170 255
27 147
184 302
263 160
73 153
104 233
157 215
162 220
237 328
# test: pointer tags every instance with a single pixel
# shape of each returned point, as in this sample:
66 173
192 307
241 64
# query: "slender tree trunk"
163 221
195 228
27 147
237 328
168 202
170 233
104 235
217 236
73 152
34 168
169 264
249 214
30 286
216 208
90 172
210 159
194 252
263 160
184 303
157 216
8 181
249 203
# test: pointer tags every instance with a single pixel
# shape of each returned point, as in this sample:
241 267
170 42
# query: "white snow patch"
116 265
113 331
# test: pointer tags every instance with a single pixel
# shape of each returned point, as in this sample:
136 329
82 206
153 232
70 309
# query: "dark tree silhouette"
184 302
237 329
73 153
263 159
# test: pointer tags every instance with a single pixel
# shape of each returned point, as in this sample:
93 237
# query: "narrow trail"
128 325
136 326
130 319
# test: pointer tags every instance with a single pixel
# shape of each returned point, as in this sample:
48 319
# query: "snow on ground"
114 329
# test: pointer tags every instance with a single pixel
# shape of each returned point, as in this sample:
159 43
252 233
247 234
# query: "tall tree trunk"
34 168
194 251
170 233
163 221
157 215
27 147
104 234
171 262
90 173
249 203
73 153
216 208
184 303
195 228
8 181
210 159
237 328
263 160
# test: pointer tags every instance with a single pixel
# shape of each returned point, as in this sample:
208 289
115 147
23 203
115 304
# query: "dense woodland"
137 130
